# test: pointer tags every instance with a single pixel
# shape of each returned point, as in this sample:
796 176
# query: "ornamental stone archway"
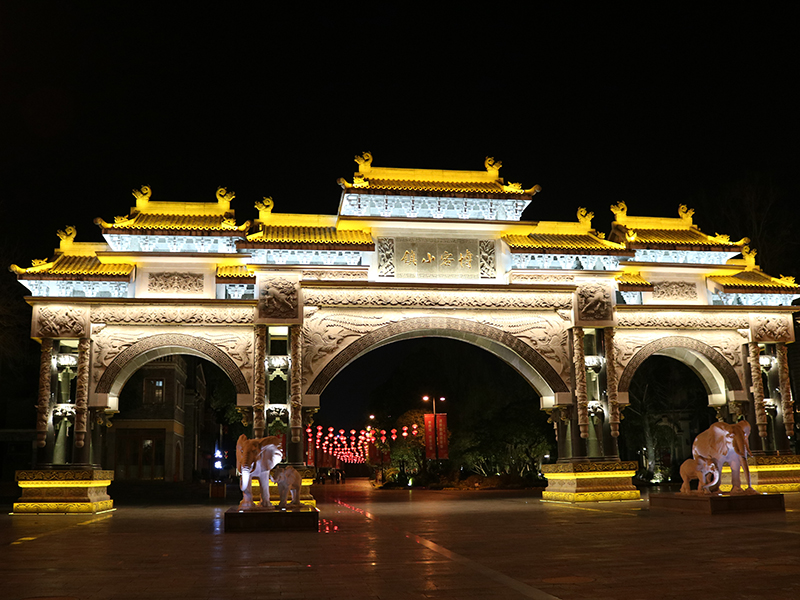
127 362
517 354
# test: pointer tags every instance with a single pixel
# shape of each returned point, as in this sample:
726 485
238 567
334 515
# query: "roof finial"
142 196
265 207
620 210
364 162
585 217
224 197
67 237
685 213
493 166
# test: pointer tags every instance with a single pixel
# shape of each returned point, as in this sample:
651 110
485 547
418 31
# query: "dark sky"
643 103
653 104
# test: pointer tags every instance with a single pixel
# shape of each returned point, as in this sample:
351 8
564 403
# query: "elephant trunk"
716 475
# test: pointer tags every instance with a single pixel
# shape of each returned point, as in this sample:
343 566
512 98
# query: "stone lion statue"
288 481
256 458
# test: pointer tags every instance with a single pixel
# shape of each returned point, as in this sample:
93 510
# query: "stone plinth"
717 504
589 481
304 518
64 491
769 474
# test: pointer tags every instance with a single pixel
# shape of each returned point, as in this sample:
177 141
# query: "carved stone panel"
175 283
279 298
164 315
487 260
771 328
674 290
385 257
594 306
51 321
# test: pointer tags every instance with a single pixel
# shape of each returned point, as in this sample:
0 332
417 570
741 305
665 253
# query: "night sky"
655 105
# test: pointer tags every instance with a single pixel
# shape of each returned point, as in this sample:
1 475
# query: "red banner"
430 437
441 436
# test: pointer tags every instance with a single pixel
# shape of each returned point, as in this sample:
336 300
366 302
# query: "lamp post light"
434 424
433 398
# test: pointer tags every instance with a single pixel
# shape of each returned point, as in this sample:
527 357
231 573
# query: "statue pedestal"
769 474
717 504
304 518
64 491
587 481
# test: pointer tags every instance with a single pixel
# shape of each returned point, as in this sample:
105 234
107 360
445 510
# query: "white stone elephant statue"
289 482
724 443
256 458
698 469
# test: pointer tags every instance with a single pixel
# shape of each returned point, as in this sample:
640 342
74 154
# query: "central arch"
516 353
143 351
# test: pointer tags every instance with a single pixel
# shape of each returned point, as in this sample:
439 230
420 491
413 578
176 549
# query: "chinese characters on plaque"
432 258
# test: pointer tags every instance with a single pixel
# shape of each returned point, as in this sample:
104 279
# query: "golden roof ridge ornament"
67 237
620 210
224 197
630 235
585 217
493 166
265 207
786 279
142 196
685 214
749 255
364 162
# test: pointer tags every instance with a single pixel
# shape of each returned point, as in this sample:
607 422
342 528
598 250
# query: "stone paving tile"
402 545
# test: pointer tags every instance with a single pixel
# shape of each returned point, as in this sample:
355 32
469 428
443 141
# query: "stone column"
612 381
259 381
758 390
81 454
579 361
295 441
787 403
43 405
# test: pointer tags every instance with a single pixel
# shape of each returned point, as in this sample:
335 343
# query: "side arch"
521 357
143 351
709 365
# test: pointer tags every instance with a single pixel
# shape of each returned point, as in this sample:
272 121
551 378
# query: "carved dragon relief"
109 342
727 343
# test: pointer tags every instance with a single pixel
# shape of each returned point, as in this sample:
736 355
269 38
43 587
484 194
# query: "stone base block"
64 491
305 518
768 474
717 504
588 481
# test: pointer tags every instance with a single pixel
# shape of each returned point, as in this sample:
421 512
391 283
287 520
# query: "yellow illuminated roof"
214 218
75 267
667 232
756 281
631 281
433 180
330 238
586 243
235 273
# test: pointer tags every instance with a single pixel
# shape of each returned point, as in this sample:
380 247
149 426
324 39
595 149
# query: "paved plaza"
393 545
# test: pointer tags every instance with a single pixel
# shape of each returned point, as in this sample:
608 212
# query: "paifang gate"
412 253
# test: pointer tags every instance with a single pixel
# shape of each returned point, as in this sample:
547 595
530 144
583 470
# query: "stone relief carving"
436 299
239 348
674 290
325 334
107 345
682 320
60 322
729 344
627 345
487 258
539 278
594 303
548 335
334 275
175 283
158 315
277 298
771 328
385 257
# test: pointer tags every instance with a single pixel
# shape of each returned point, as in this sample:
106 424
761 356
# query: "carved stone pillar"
296 394
259 379
758 390
82 393
612 381
43 405
579 360
787 403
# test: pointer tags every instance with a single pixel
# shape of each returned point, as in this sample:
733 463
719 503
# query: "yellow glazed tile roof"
71 267
633 282
678 237
488 187
290 236
234 272
173 222
755 281
550 242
